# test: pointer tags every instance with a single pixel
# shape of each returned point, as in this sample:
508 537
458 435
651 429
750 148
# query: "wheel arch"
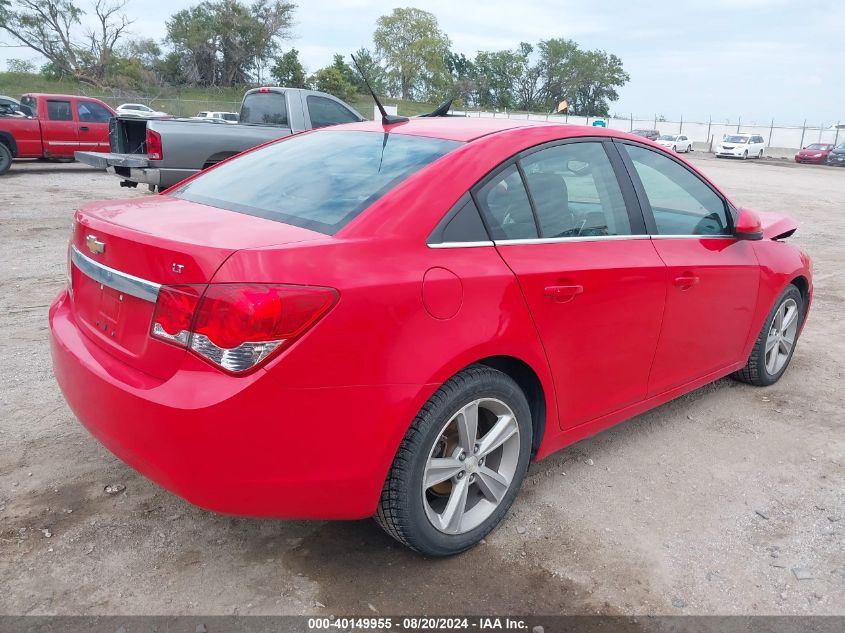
9 141
212 160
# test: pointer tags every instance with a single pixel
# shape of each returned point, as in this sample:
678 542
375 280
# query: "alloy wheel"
471 466
781 337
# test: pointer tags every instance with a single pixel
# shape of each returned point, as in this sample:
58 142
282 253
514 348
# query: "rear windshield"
265 108
318 181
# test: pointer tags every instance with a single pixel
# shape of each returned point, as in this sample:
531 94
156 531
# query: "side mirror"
748 226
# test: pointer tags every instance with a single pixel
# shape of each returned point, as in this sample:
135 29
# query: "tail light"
238 327
154 151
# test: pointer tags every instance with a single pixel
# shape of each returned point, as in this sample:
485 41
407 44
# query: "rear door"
93 125
59 128
589 274
712 276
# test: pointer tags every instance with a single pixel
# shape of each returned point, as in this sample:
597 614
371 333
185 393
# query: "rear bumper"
240 445
135 167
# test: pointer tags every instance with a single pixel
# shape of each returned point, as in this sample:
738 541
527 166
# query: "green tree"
372 68
20 66
53 29
330 79
557 71
288 70
497 75
225 42
413 49
597 76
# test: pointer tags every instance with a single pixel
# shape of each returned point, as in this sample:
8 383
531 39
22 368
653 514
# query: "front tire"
776 342
745 155
5 158
460 465
760 155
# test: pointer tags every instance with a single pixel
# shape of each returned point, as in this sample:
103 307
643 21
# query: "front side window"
265 108
325 112
90 112
59 111
575 192
505 205
682 204
318 181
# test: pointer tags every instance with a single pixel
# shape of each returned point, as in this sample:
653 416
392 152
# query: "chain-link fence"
780 139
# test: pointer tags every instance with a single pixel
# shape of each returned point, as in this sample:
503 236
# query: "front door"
712 277
591 278
93 126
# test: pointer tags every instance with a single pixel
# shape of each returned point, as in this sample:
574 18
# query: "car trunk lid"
123 251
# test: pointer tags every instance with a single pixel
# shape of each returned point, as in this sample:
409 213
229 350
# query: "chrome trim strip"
563 240
461 244
693 237
122 282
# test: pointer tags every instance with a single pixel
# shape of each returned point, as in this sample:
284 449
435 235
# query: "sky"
755 59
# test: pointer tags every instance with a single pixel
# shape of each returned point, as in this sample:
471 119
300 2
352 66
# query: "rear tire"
482 477
778 337
5 158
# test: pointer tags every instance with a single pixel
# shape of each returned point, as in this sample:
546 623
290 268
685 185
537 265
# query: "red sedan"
816 153
395 320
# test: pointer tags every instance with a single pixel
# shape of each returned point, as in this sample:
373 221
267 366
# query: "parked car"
59 126
814 153
741 146
652 135
837 156
139 110
675 142
162 153
394 320
229 117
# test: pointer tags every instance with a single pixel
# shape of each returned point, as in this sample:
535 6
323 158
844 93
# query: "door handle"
562 294
685 282
84 128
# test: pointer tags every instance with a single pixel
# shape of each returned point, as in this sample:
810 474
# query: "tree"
463 78
497 75
20 66
288 70
557 71
224 42
52 28
597 77
330 79
413 49
372 68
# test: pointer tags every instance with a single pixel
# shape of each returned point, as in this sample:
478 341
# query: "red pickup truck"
53 126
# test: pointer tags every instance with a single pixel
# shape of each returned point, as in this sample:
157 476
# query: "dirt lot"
714 503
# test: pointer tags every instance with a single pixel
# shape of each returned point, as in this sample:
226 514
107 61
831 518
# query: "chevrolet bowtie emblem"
94 245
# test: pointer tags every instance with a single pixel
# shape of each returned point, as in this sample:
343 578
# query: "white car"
138 110
741 146
229 117
675 142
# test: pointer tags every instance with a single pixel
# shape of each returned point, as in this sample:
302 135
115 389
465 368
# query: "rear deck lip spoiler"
120 281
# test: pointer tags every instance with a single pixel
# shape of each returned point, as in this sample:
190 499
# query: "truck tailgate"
102 160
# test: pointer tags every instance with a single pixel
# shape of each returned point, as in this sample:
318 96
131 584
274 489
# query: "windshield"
736 139
318 181
819 146
230 116
665 137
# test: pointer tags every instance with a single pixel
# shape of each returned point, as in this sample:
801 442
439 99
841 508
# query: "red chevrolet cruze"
396 320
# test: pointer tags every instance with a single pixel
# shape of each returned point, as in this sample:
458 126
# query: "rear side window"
59 111
90 112
265 108
682 204
506 207
318 181
575 192
325 112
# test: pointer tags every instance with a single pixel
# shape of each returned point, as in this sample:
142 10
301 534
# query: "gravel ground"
720 502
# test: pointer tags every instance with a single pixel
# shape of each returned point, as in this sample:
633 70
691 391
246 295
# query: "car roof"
469 128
